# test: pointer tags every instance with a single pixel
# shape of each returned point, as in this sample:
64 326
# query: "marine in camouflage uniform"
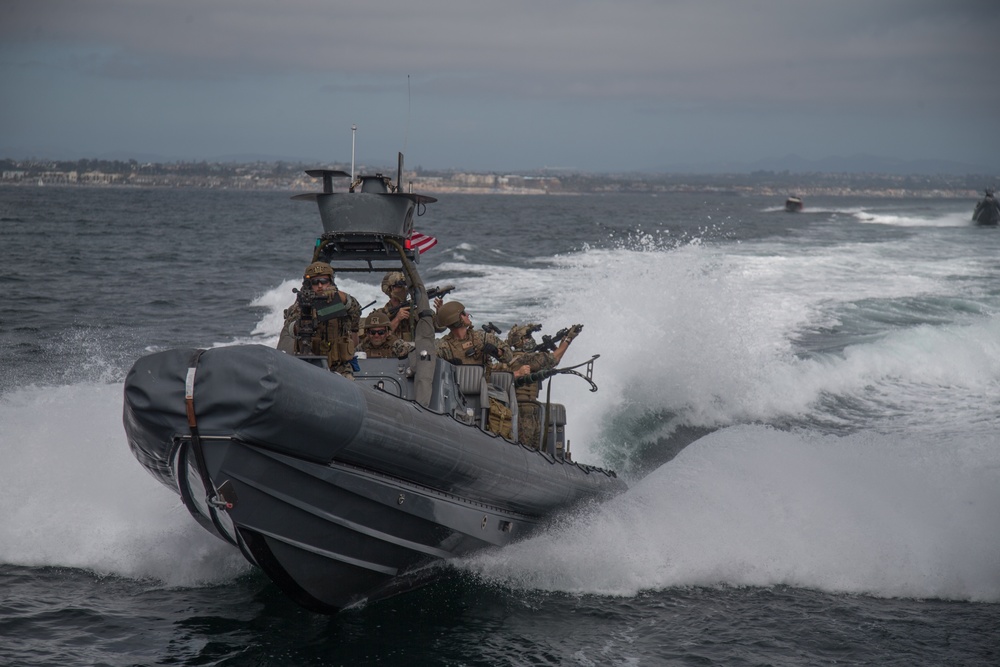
384 345
336 317
401 323
464 345
394 287
529 410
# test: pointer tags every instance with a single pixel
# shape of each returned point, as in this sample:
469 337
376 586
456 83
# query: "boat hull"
340 491
987 213
332 536
793 205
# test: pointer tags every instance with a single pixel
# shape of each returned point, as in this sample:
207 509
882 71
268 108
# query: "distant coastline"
287 176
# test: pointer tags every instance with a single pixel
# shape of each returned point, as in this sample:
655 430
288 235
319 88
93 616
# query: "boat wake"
73 498
873 513
958 219
753 506
880 217
879 472
882 477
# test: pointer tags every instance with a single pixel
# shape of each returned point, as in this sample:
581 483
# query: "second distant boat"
793 204
987 211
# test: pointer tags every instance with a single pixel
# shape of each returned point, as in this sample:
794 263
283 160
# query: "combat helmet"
390 280
378 318
318 269
450 314
519 337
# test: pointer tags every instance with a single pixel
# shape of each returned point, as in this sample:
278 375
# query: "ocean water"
806 407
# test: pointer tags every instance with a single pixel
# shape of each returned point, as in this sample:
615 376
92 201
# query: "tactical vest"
536 361
331 341
467 351
405 329
528 392
470 350
332 335
459 350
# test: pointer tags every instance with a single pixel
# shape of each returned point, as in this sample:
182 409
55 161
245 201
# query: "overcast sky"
504 85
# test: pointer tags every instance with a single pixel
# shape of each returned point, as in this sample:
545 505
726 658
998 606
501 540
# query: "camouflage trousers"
529 423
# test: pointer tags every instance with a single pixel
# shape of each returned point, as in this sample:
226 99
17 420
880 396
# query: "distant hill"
18 153
854 164
791 163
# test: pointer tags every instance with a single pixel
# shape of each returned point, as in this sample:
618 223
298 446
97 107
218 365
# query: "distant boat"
793 204
987 213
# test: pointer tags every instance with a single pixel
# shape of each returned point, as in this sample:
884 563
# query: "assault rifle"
537 376
488 348
550 343
489 327
432 293
315 308
307 321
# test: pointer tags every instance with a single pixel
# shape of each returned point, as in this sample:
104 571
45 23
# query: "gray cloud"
777 49
679 58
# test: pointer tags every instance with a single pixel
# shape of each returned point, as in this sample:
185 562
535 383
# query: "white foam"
708 336
73 494
750 506
957 219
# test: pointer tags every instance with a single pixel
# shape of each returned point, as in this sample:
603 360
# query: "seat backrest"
471 382
555 417
502 380
470 379
558 413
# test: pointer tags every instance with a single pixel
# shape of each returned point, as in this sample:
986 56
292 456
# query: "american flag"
421 242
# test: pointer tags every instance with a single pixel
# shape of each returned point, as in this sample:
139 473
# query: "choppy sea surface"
806 407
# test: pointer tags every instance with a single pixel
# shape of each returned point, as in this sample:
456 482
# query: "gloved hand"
324 297
491 349
402 348
573 332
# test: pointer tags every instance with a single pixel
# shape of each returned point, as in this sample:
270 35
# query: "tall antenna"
406 138
354 131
